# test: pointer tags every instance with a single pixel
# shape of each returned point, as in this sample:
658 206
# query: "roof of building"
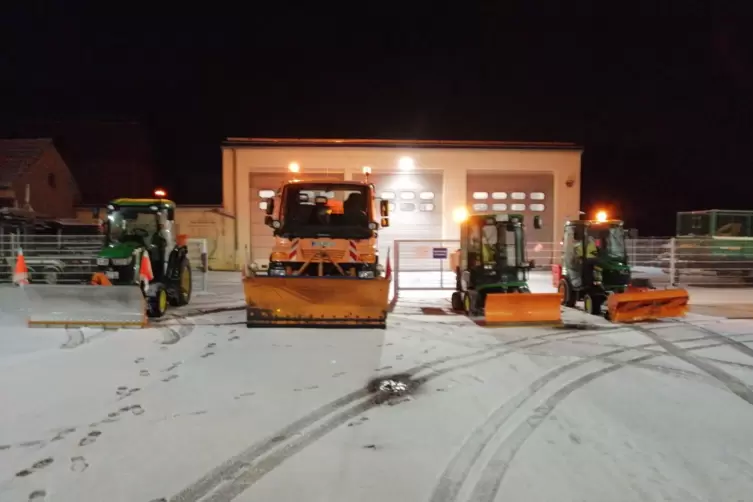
404 143
18 155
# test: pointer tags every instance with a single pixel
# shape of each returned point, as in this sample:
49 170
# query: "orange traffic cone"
21 273
145 271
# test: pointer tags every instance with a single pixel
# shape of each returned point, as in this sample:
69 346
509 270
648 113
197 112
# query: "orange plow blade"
523 308
647 304
316 302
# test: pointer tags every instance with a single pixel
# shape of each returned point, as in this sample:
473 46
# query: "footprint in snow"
144 373
163 499
4 447
78 464
139 360
172 367
89 438
245 394
207 354
35 442
37 496
122 390
171 377
236 337
136 409
211 345
338 374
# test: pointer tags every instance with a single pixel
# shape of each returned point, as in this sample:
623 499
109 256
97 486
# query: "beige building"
423 180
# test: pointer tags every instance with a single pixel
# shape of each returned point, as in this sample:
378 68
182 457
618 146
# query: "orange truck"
324 268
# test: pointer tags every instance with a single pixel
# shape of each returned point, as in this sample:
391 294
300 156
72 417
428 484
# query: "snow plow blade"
80 306
640 304
523 308
317 302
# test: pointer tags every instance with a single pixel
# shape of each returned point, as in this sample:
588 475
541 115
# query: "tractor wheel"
568 295
457 301
592 303
184 287
156 305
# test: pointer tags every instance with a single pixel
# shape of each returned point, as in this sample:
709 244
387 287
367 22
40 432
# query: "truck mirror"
270 206
384 208
537 222
170 214
385 222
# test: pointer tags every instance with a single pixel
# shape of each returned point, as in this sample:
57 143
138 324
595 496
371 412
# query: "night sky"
662 104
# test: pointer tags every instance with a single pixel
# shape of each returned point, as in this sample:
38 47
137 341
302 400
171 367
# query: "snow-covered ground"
201 408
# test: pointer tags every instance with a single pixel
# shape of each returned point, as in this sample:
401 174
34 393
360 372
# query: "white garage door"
529 194
263 185
415 208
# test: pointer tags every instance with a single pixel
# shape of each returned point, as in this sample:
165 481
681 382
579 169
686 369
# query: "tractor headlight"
103 262
365 274
276 224
521 275
254 266
372 226
121 262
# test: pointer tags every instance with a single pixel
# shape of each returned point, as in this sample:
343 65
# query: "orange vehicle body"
324 266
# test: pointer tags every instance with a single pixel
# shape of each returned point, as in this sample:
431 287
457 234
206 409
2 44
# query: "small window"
499 195
266 194
51 180
388 195
407 206
391 206
407 195
536 195
536 207
518 207
426 207
499 207
426 195
518 195
480 207
480 195
263 205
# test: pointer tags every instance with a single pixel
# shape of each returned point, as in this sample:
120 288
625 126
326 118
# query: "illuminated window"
537 195
499 207
518 195
536 207
426 195
480 195
426 207
407 195
407 206
499 195
388 195
263 205
480 207
266 194
518 207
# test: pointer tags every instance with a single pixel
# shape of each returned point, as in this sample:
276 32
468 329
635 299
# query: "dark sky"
662 103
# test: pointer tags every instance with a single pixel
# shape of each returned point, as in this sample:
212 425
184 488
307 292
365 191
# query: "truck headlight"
103 262
365 274
121 262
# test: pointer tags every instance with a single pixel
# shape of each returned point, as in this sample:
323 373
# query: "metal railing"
666 261
72 259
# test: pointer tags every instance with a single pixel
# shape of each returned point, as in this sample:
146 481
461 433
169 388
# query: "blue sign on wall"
440 253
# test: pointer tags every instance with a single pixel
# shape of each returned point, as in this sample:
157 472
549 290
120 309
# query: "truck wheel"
184 287
457 301
156 305
592 304
568 296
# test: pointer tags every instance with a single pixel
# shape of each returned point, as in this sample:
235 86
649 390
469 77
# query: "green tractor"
492 270
141 240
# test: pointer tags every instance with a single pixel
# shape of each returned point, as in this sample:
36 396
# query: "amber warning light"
160 193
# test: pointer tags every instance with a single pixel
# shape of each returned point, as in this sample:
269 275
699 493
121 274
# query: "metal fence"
666 261
71 259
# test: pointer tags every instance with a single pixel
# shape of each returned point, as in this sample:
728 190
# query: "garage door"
263 185
415 207
529 194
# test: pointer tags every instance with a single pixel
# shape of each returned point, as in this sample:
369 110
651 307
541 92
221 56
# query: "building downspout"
235 203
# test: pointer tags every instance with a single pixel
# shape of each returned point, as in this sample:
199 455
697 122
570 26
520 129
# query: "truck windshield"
326 210
609 241
132 224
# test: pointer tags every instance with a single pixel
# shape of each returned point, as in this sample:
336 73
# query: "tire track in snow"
233 467
486 488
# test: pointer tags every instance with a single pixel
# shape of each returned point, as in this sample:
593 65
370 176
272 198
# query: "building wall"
454 164
52 189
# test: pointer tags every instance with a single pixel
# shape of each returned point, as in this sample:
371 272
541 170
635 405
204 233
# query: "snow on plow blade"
316 301
78 306
523 308
647 304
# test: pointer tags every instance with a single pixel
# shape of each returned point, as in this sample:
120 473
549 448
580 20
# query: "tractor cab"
595 253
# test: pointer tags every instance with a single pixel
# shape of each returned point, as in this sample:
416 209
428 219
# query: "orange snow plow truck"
324 268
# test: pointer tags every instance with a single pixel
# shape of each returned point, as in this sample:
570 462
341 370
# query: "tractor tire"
568 295
457 301
156 305
592 303
184 287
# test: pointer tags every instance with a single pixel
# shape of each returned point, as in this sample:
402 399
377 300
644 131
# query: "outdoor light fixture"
460 214
293 167
406 163
159 192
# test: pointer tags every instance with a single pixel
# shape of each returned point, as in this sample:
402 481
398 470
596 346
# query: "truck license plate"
112 274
